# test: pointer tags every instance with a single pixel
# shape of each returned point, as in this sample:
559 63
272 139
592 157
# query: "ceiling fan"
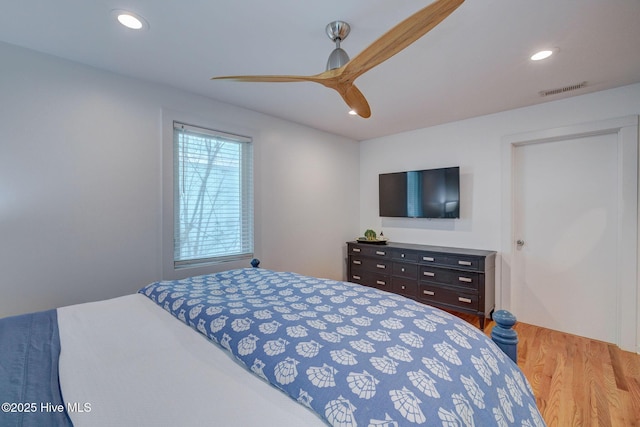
342 72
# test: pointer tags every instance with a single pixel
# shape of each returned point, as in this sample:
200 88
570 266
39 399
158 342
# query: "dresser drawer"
372 279
370 264
440 295
431 258
467 279
469 263
408 288
450 260
403 255
377 251
408 271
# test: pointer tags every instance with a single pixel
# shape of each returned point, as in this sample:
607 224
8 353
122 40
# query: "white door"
566 204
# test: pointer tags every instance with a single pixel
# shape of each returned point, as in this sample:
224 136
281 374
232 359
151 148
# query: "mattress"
127 362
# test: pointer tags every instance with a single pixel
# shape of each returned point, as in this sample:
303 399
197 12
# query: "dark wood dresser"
452 278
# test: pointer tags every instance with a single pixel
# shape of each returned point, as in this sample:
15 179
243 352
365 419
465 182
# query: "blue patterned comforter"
355 355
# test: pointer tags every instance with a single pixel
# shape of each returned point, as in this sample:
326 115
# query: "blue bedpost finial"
503 334
255 263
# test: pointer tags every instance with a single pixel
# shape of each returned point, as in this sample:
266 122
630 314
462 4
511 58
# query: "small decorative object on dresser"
452 278
371 237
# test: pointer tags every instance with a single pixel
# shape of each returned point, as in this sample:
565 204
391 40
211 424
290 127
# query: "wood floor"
578 381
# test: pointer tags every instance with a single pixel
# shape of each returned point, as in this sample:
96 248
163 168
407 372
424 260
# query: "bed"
254 347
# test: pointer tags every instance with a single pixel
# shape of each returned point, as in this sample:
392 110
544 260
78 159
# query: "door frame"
627 284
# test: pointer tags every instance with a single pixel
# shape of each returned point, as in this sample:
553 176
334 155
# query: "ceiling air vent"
562 89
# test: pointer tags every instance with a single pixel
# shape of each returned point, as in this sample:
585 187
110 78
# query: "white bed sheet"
136 365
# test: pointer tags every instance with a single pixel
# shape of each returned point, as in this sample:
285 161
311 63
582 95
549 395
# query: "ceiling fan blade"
355 100
400 36
269 79
351 94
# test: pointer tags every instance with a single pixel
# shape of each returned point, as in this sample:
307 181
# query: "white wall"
475 145
81 193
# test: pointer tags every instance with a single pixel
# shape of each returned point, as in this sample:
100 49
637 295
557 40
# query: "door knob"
520 243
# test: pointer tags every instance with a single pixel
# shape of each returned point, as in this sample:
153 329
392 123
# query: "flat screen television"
431 193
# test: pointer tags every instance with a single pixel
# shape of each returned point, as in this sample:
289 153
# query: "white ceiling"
474 63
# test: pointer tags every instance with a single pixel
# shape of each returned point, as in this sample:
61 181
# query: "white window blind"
213 191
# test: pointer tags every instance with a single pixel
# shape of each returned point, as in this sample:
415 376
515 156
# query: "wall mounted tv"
431 193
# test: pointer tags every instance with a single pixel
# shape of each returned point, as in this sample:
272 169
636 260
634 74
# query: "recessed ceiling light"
543 54
130 20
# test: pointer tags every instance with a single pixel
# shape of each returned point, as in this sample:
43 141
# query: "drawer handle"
402 269
356 277
401 255
429 273
382 266
428 292
357 262
462 299
464 262
383 253
403 287
427 258
356 249
381 282
465 279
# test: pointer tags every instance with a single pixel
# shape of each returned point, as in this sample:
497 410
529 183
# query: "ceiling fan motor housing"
337 31
337 59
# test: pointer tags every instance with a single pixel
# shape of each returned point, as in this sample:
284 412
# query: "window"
213 196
